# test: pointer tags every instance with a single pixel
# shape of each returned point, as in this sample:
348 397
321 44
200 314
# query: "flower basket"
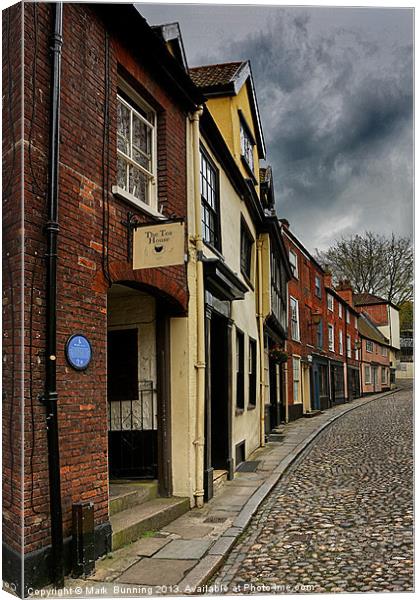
278 354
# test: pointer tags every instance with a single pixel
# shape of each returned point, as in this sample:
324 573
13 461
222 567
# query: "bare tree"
374 264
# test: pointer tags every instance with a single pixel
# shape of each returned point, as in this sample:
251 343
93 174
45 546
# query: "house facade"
385 316
238 247
375 370
122 114
323 345
346 324
405 365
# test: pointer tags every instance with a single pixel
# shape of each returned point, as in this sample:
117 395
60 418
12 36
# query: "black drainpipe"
50 396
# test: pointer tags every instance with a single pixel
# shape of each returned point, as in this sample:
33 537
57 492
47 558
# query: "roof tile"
214 75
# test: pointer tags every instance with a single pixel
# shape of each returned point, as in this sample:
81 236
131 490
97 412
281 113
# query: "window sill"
214 249
239 411
145 208
247 280
251 406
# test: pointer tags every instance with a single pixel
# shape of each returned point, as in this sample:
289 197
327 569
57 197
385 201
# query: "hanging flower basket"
278 354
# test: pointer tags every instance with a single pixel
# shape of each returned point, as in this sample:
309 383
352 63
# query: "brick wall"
377 359
302 288
86 210
377 312
12 277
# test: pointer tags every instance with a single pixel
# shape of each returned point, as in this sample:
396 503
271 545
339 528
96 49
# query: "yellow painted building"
245 271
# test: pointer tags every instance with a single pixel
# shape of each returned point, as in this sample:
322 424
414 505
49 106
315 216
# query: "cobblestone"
340 520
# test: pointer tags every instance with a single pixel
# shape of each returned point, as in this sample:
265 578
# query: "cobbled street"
340 520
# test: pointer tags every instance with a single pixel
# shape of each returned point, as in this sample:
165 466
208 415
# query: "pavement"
183 557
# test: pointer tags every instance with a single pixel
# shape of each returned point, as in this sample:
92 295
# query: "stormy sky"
334 87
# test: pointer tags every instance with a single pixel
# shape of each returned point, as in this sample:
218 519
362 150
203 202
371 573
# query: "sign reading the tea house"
159 245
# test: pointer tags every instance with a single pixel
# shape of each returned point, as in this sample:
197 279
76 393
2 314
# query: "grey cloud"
331 104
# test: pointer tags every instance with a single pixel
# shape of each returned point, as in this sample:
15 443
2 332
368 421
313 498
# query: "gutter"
50 398
261 342
201 357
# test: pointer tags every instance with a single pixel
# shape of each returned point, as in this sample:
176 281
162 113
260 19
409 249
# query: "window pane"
138 184
121 173
141 135
123 122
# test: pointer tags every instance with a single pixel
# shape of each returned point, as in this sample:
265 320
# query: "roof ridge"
233 62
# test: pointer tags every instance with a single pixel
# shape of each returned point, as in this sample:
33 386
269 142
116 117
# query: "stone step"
278 438
279 429
128 525
312 413
219 478
123 495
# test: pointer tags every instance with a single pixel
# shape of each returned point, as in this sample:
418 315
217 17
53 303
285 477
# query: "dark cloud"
334 87
337 114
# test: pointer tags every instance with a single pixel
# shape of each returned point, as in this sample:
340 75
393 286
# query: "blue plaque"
78 351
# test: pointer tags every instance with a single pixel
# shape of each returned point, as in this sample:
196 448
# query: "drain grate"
215 520
249 466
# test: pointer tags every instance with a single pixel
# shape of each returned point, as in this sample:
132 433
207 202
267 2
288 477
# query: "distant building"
375 364
385 316
323 362
405 366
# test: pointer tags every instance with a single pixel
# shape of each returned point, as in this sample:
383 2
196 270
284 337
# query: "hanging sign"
158 245
78 352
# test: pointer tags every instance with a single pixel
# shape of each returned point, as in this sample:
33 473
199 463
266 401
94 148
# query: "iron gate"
132 435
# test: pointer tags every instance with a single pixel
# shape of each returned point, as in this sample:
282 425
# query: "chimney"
328 279
345 290
285 223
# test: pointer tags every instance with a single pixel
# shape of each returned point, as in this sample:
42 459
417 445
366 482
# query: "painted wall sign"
78 351
159 245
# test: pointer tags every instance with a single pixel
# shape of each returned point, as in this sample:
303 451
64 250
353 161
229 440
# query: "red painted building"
323 338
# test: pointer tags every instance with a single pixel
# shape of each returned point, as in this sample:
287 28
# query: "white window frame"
330 337
318 278
330 302
151 205
384 378
296 382
347 315
369 343
292 321
294 265
348 346
340 310
247 146
340 341
368 375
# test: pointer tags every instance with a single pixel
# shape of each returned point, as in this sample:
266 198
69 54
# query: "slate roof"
215 75
365 299
368 330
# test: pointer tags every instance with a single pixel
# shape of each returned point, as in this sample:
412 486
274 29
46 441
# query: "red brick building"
385 317
343 318
124 105
374 361
323 338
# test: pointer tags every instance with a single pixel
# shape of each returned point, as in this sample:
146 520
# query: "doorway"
219 382
132 431
138 384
